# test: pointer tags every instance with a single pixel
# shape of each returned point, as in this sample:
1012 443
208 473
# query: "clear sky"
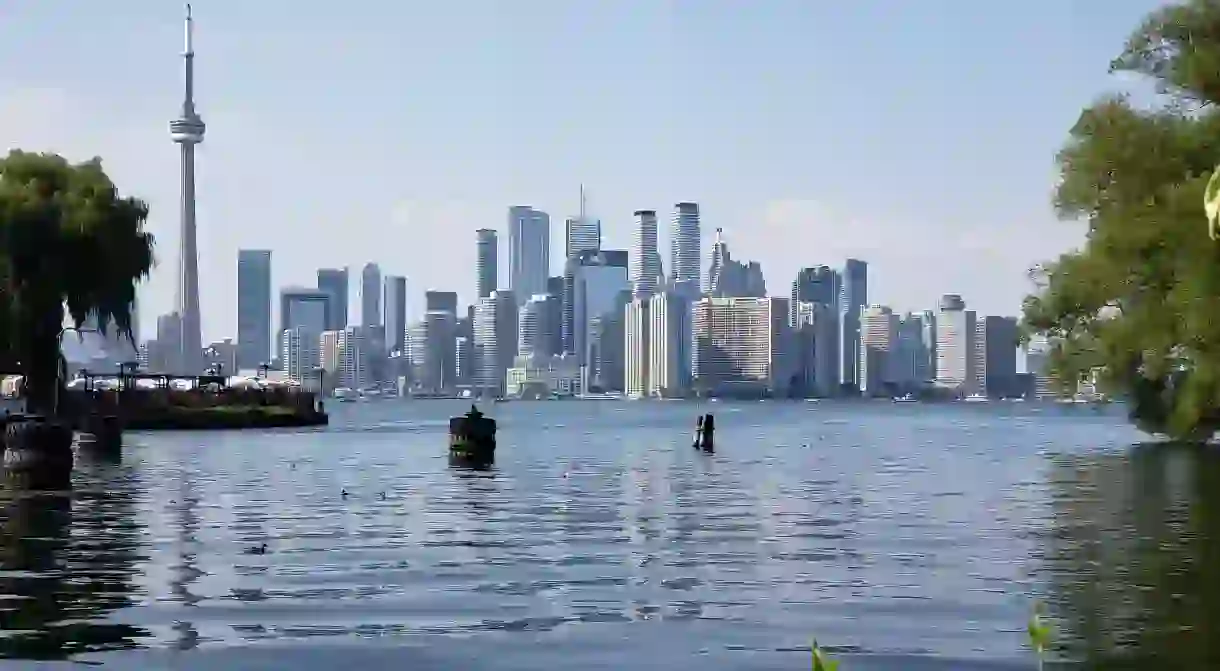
918 136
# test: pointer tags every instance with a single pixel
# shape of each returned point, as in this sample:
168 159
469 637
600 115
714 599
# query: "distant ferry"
976 398
345 394
605 396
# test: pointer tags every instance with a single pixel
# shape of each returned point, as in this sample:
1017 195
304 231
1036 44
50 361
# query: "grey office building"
253 307
395 313
333 281
853 297
529 251
370 295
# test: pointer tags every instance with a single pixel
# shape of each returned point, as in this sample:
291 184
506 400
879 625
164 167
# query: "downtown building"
685 244
495 342
395 299
593 285
956 347
301 354
742 347
645 262
852 298
437 370
728 278
581 234
529 257
334 282
996 341
535 330
815 338
370 295
669 333
878 366
486 261
350 357
253 308
915 365
303 315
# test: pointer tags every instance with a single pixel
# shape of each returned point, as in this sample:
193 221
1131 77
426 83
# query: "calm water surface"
902 536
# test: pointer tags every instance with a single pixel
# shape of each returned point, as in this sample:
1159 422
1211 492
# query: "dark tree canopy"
1141 300
69 243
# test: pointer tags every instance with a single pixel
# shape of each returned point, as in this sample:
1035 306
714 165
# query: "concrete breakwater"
197 409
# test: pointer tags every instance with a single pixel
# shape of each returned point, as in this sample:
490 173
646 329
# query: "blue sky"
919 136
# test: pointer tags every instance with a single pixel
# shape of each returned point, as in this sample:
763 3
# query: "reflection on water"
1134 557
901 537
68 561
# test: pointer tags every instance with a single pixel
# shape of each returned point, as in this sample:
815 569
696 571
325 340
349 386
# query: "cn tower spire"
187 131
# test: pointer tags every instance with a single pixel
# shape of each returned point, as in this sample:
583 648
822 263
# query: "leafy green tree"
70 246
1141 299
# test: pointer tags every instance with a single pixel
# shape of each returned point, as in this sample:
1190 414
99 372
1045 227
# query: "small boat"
906 398
976 398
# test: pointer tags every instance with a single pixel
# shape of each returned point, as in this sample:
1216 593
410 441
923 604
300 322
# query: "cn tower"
187 131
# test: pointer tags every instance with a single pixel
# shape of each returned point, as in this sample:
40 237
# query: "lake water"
902 536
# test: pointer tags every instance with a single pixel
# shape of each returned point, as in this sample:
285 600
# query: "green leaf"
1039 631
820 661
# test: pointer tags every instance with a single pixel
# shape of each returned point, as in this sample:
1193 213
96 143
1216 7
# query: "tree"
70 246
1141 299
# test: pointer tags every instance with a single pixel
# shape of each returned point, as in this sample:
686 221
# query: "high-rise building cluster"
613 321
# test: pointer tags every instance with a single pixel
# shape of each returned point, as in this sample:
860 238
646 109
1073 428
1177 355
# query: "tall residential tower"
187 131
486 261
685 241
645 262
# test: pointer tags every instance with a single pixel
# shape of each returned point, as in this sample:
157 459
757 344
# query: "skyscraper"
635 349
728 278
253 308
685 241
529 255
187 131
334 282
818 284
370 295
956 351
495 341
581 233
645 262
669 344
853 297
741 346
534 328
878 363
486 261
996 340
592 282
395 313
304 307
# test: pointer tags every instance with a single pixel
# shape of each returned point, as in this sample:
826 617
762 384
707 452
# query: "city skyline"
839 199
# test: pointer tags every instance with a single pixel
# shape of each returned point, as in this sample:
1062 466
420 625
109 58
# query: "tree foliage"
70 246
1141 299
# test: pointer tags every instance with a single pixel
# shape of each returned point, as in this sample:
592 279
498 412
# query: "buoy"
708 437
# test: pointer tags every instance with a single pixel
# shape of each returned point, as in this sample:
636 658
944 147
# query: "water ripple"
903 536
